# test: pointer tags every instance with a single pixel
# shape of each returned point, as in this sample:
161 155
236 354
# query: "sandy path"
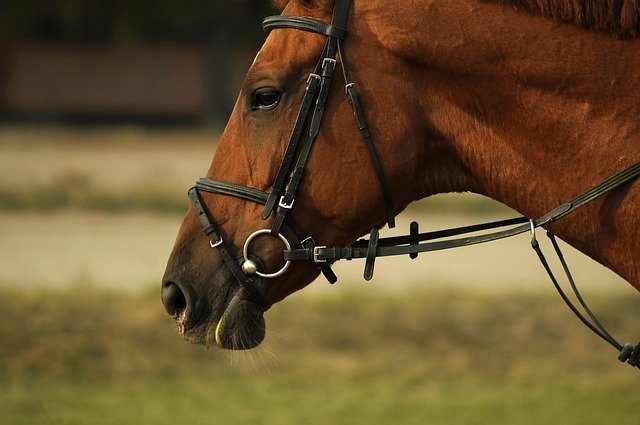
129 252
114 159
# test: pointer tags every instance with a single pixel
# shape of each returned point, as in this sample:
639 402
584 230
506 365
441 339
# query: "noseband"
280 200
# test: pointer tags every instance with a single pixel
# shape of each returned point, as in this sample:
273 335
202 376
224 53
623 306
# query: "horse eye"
265 99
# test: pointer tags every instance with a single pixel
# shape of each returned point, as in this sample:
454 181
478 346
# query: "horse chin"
241 326
221 314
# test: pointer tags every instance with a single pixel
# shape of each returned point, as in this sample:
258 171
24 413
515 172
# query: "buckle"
216 244
283 204
332 61
313 76
316 254
349 86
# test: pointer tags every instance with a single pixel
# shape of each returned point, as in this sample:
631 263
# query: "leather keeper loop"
210 229
371 254
414 232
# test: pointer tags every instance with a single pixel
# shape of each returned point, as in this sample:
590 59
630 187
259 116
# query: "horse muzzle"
218 313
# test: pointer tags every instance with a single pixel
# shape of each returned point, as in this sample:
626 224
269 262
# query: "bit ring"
245 253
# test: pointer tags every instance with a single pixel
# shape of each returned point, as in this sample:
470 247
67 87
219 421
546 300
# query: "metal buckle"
283 204
332 61
313 76
346 87
216 244
316 254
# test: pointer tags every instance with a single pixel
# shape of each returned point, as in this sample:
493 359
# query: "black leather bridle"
280 200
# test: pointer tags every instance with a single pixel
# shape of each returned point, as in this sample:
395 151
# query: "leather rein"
280 199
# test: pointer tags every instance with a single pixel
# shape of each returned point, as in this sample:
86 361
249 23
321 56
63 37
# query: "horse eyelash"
254 106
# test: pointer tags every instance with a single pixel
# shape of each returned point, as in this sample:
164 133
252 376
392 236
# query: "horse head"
307 160
337 198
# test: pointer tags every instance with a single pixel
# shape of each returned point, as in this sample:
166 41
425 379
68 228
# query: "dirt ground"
113 157
129 251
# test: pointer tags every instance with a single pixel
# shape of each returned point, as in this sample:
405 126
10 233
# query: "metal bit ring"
245 253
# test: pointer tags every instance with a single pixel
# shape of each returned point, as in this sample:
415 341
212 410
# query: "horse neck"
536 113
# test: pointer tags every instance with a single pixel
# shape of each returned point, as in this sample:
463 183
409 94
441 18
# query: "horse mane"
618 18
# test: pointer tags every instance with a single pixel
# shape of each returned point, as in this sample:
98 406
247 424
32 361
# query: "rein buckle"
316 254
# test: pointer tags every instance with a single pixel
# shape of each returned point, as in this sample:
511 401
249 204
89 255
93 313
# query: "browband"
303 23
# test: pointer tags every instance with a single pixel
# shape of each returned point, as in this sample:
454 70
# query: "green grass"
350 356
76 190
77 186
273 400
467 203
82 194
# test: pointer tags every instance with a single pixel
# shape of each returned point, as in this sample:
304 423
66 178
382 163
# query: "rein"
280 200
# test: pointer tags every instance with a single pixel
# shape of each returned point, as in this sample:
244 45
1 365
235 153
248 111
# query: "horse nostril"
173 299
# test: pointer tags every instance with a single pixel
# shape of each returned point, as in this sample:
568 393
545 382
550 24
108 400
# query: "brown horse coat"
466 95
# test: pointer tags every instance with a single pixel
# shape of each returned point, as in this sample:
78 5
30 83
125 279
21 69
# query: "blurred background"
109 111
108 60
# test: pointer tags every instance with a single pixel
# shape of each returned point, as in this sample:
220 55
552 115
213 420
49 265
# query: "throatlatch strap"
361 122
335 33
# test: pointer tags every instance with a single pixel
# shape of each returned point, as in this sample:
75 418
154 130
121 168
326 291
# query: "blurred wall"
164 59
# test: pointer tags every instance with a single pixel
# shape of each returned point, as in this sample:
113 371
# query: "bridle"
280 200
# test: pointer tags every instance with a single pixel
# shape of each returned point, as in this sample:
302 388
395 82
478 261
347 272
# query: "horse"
528 102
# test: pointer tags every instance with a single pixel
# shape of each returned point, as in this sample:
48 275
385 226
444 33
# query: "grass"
350 356
88 356
467 203
72 167
78 191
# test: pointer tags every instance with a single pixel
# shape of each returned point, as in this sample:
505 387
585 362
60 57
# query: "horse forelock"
308 4
619 18
279 5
